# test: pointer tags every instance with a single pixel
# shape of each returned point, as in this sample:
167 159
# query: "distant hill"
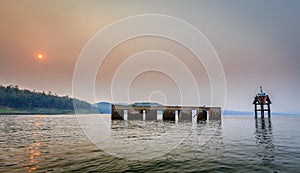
146 104
247 113
232 112
105 107
18 101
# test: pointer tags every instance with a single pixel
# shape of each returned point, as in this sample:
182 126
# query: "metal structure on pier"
261 104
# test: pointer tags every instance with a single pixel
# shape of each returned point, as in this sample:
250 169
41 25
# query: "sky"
257 43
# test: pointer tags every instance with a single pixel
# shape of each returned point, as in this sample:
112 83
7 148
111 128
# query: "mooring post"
144 115
125 114
255 110
262 111
269 111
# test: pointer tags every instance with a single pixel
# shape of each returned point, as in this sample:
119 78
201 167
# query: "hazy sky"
257 43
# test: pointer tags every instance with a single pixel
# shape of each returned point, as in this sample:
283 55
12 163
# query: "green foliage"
13 97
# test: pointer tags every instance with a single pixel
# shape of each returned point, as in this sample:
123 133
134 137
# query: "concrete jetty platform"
164 113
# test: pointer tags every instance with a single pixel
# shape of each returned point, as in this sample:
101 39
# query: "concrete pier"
169 112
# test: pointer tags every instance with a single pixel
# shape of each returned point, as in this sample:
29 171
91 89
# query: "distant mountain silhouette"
247 113
105 107
15 100
146 104
232 112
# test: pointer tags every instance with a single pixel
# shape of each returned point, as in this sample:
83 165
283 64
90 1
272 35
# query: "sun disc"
40 56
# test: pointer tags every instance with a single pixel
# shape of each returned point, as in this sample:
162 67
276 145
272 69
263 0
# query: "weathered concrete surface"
151 115
185 115
135 114
215 113
184 112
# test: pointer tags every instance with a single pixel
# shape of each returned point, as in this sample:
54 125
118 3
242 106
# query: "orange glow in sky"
40 56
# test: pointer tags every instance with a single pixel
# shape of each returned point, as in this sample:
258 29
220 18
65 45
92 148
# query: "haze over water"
257 43
238 144
253 43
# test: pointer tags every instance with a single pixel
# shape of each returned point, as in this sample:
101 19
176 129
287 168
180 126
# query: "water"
56 143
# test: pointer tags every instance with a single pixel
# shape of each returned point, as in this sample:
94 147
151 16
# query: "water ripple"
238 144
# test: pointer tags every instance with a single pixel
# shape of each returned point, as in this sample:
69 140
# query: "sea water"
60 143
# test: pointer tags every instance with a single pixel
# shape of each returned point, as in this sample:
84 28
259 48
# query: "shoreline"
34 113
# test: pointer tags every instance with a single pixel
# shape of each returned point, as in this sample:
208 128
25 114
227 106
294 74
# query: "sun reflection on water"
34 148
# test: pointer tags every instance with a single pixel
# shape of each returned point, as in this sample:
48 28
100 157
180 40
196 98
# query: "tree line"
12 96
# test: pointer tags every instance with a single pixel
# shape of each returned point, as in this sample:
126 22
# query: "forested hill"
15 100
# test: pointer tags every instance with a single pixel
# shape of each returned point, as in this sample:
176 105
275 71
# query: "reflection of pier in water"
264 139
149 139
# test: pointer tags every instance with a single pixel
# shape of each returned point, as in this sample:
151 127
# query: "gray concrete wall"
185 115
185 112
215 113
134 115
151 115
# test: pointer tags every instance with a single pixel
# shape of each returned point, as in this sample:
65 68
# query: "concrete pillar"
159 115
194 116
125 113
144 115
269 111
255 110
208 115
262 111
176 115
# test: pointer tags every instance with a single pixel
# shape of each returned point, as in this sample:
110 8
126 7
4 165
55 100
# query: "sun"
40 56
